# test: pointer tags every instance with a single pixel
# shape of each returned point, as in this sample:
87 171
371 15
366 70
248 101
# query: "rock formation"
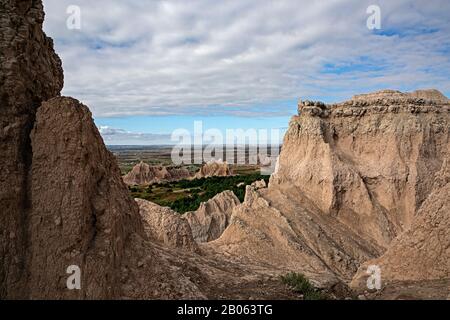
357 183
166 226
422 252
351 178
143 174
212 217
63 202
82 215
214 169
30 72
337 161
273 224
259 184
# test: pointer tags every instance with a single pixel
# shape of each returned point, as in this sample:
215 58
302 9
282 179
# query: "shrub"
300 284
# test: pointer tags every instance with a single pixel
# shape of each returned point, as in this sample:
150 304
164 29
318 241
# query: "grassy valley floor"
186 195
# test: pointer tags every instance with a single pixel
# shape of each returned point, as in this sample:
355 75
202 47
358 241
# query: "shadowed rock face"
422 252
30 72
81 212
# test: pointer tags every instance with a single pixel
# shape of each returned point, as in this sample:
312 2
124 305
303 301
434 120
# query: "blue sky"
146 68
166 124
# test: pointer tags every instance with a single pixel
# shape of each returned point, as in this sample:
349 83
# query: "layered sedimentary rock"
30 72
212 217
214 169
166 226
369 162
143 174
351 178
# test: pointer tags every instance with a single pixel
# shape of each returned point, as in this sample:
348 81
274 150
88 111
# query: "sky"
147 68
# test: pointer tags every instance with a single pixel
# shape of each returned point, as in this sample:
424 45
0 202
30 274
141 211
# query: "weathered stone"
30 72
214 169
143 174
166 226
210 220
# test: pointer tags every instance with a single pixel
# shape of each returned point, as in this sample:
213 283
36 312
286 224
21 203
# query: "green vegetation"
300 284
186 195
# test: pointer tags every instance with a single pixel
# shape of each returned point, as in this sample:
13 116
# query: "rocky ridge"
166 226
143 174
339 198
212 217
214 169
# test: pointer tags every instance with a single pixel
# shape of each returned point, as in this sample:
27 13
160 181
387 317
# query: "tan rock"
277 228
259 184
76 181
422 252
346 186
166 226
83 215
143 174
212 217
374 188
214 169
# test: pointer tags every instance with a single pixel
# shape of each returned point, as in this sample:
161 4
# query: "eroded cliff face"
82 214
369 162
30 72
81 211
422 252
351 178
281 230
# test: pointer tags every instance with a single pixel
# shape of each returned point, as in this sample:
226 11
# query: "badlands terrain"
144 174
358 183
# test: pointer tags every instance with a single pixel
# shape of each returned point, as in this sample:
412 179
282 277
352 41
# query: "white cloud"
117 136
221 57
